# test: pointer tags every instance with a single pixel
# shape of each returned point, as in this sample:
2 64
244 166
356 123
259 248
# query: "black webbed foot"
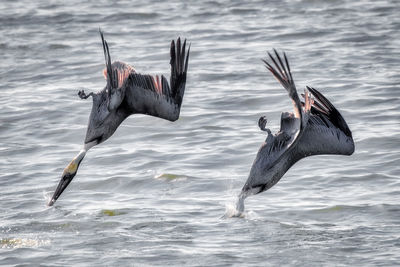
262 122
82 94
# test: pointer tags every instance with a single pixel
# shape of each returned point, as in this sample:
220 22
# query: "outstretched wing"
292 125
153 95
144 93
326 131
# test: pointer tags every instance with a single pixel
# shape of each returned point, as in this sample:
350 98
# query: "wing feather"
317 129
145 93
284 140
156 97
326 131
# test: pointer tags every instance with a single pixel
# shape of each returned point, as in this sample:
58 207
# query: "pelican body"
315 128
128 92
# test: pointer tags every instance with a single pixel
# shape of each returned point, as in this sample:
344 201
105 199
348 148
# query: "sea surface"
159 193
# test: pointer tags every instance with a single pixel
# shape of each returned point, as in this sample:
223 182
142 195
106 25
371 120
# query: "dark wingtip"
111 81
172 53
276 52
103 41
287 65
189 45
178 55
334 115
270 56
267 65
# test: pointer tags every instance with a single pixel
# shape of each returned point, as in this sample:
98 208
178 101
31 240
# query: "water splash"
47 197
235 210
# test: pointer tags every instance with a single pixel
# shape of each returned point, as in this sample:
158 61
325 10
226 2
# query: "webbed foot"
262 122
82 94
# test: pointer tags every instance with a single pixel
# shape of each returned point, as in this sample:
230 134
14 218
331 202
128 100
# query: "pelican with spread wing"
314 128
128 92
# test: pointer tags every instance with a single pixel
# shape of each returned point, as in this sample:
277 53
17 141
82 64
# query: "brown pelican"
128 92
315 128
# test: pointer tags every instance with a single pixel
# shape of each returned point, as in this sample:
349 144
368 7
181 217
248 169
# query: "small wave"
244 11
58 46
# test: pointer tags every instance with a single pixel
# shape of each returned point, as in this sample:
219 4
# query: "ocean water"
159 193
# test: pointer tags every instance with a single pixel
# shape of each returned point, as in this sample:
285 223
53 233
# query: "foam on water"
170 176
47 196
232 211
13 243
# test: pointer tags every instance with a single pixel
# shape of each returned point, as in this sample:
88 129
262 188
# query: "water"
158 193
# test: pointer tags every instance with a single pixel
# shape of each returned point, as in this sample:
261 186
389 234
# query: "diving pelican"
128 92
315 128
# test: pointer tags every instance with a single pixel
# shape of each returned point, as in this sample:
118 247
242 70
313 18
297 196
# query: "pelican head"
67 176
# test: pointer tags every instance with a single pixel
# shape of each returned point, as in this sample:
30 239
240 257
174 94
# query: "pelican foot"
82 94
262 122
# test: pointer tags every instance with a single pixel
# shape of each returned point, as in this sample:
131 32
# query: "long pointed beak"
64 182
67 176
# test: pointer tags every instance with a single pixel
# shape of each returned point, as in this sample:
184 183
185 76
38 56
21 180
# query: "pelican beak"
64 182
67 176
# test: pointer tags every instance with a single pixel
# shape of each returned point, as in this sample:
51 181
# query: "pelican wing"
326 131
143 93
292 125
315 127
292 128
153 95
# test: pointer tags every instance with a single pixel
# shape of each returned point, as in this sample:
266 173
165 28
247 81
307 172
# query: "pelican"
314 128
128 92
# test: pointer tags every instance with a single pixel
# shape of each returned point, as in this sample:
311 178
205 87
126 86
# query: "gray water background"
159 193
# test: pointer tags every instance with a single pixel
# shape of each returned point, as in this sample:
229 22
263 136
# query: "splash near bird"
128 92
315 128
